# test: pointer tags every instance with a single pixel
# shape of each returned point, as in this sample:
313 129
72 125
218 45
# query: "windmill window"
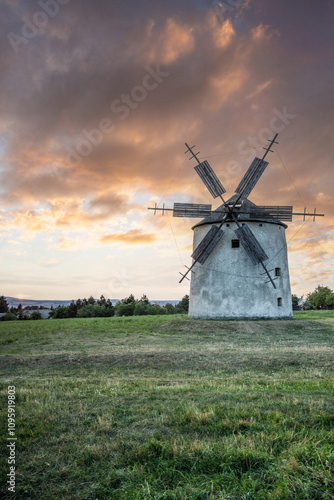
277 271
260 225
280 302
235 243
227 225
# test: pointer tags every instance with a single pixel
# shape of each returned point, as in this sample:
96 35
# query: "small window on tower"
235 243
279 302
278 271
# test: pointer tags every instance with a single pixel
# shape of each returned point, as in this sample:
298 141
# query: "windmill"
240 271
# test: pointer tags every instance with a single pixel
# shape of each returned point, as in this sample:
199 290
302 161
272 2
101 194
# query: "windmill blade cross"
193 155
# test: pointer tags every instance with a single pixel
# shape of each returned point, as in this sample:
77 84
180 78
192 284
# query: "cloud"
223 34
176 40
111 203
263 32
133 237
260 88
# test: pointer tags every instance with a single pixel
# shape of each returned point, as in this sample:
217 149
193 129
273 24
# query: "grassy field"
170 408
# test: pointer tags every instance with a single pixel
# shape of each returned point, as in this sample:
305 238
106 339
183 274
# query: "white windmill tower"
240 263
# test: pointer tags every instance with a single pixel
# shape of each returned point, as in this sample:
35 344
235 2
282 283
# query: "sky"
96 102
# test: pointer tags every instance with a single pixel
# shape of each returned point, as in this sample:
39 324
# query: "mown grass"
171 408
326 314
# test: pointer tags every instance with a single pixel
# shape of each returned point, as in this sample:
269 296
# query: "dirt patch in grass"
174 360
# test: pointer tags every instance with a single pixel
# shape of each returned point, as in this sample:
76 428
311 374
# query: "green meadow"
165 407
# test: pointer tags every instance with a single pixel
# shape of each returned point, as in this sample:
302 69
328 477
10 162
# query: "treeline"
321 298
18 313
85 308
91 308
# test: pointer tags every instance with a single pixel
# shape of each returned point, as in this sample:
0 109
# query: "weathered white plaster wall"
229 286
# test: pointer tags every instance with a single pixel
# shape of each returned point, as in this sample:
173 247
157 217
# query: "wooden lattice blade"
194 210
207 244
251 245
210 179
251 177
271 212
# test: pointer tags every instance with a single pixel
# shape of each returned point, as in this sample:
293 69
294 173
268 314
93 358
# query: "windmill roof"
243 205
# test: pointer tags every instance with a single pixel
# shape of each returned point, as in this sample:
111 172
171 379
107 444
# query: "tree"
60 312
72 310
140 308
3 304
36 315
110 310
9 316
125 308
330 300
109 304
170 309
79 304
144 299
95 311
91 300
102 301
20 312
155 309
320 297
183 306
295 300
87 311
129 300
